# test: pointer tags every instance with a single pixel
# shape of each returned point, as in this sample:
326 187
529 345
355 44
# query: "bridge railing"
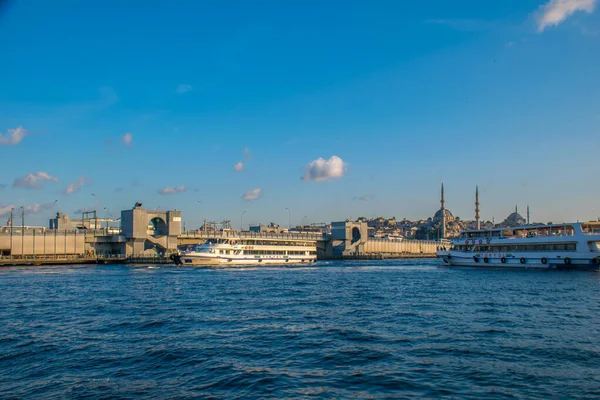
250 235
82 256
18 231
411 241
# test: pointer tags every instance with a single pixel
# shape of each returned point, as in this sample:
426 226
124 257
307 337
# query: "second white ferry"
250 251
553 246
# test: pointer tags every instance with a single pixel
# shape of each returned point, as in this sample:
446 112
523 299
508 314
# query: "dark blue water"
387 329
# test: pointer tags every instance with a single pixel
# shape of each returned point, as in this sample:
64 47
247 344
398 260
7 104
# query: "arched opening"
355 235
157 227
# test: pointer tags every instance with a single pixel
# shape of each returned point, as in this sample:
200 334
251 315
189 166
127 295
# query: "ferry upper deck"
529 231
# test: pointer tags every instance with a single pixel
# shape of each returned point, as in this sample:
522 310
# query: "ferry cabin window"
530 248
265 252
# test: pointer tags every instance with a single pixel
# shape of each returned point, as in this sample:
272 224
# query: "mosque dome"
514 219
453 225
438 215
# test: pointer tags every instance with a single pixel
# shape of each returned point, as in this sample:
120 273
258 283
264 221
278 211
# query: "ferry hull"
571 262
224 262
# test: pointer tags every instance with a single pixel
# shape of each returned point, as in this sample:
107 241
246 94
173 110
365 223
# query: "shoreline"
38 262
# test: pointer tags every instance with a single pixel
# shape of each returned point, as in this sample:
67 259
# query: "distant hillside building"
271 228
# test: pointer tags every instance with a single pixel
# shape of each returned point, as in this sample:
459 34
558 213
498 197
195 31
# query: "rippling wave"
377 329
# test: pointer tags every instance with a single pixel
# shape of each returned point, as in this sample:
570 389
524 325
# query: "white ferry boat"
553 246
258 251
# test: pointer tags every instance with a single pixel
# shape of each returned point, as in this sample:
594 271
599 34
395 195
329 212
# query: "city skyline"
319 112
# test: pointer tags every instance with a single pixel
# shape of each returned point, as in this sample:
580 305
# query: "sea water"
376 329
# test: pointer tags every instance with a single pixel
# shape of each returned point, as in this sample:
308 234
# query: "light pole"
55 230
242 221
22 231
11 231
303 219
54 223
201 216
289 218
45 231
95 213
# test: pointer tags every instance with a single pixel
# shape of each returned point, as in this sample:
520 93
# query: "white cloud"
127 139
183 88
36 208
84 209
32 208
556 11
321 170
29 209
13 137
78 184
5 209
34 180
172 190
366 197
239 166
252 194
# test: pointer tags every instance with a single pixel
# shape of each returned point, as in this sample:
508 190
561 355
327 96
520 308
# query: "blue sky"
130 99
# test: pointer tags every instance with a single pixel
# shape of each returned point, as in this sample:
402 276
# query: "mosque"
448 225
515 219
444 221
443 224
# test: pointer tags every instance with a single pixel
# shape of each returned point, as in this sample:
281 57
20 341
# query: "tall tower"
477 216
528 214
443 202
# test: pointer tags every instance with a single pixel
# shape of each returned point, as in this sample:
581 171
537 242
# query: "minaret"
528 214
443 202
477 216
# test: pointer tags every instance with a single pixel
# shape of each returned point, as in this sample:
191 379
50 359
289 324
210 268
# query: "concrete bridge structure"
143 233
156 233
350 239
